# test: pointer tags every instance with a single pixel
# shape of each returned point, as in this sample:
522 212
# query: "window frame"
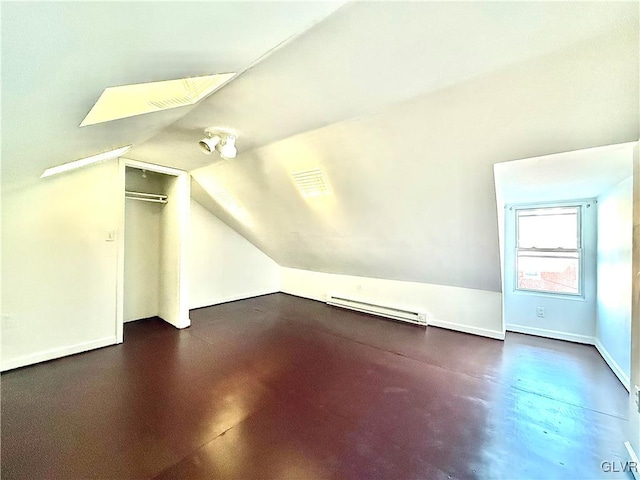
579 206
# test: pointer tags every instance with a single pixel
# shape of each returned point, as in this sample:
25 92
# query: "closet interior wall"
143 244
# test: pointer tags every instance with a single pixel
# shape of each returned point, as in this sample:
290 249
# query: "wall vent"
311 182
231 205
375 308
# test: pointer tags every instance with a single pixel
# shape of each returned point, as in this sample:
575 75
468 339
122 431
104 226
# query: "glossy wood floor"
282 387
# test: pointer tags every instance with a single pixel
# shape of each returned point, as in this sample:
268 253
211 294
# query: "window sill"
558 296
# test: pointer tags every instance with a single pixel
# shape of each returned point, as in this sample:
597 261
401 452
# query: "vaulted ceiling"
58 57
404 106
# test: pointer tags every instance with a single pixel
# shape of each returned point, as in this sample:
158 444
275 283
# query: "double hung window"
549 250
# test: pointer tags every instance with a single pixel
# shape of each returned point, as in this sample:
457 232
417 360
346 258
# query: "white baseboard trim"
233 298
483 332
54 353
543 332
613 365
141 318
317 298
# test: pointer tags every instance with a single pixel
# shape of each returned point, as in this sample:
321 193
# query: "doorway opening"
152 269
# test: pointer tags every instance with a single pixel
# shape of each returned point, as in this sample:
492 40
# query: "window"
549 250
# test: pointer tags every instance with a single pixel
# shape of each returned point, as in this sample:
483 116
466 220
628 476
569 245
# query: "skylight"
83 162
311 182
130 100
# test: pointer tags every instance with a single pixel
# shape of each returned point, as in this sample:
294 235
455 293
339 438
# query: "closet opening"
152 280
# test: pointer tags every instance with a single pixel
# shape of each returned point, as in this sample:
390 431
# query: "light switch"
111 235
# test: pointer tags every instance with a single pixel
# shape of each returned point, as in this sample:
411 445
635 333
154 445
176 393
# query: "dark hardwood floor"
282 387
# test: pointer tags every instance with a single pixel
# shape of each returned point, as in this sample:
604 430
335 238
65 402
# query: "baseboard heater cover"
404 315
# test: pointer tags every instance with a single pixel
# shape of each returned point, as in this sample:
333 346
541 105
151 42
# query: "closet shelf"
146 197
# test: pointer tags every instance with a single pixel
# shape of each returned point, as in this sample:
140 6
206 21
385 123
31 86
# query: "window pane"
548 228
549 272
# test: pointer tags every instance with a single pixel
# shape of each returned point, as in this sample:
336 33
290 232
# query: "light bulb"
208 145
229 149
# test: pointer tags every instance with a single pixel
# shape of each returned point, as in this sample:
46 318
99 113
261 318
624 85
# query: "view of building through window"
549 249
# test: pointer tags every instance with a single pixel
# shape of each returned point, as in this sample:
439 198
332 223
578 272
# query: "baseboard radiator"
404 315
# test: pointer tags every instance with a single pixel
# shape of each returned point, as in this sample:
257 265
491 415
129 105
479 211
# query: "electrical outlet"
540 312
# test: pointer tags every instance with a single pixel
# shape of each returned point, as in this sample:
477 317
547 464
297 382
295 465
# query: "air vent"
140 98
231 205
225 199
311 183
193 90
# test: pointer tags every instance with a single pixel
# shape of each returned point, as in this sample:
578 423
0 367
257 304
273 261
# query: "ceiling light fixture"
221 140
83 162
229 150
209 144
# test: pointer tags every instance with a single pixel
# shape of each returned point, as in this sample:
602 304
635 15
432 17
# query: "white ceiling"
405 106
566 176
371 55
412 175
57 58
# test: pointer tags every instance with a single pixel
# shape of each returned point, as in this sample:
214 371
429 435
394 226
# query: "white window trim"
581 205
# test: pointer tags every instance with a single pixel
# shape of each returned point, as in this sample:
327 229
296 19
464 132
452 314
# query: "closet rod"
140 194
146 197
155 200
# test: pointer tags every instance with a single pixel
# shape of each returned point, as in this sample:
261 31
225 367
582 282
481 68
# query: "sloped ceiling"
405 106
369 56
57 58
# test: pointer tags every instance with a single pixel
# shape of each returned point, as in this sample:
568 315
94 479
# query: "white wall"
414 181
223 266
463 309
613 325
634 416
59 270
567 318
1 235
174 225
142 237
141 259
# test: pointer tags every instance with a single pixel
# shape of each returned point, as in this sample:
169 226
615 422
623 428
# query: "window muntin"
549 250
